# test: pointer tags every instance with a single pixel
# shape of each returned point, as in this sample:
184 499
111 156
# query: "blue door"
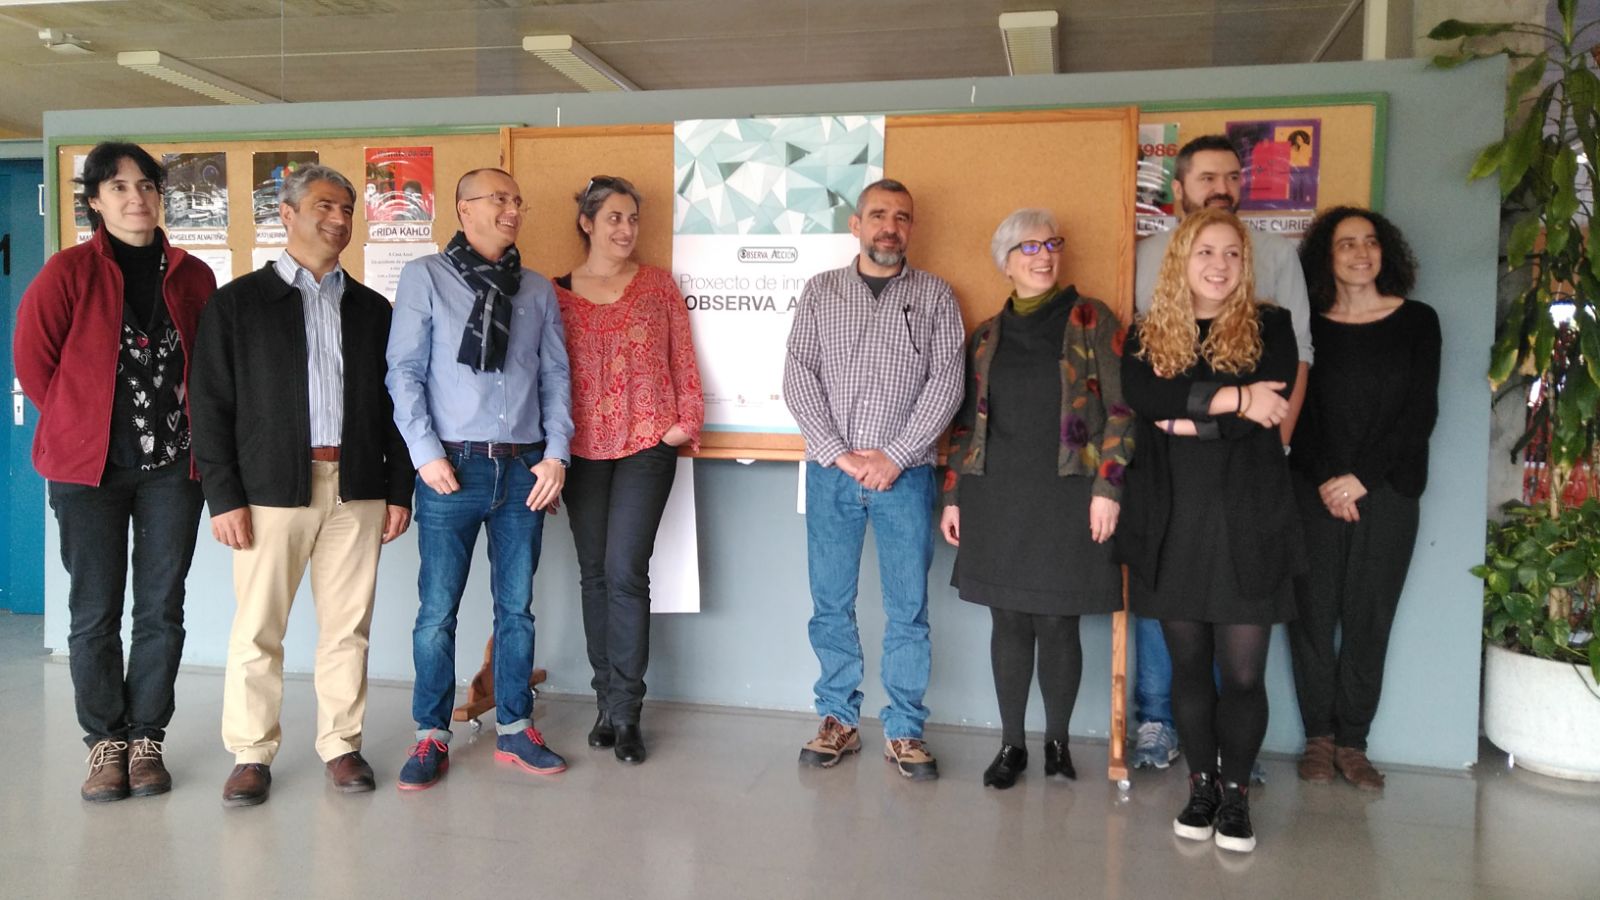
22 521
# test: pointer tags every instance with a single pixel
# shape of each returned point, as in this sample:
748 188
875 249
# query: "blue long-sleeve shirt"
438 399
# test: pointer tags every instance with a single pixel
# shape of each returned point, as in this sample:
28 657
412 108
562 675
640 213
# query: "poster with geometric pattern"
760 206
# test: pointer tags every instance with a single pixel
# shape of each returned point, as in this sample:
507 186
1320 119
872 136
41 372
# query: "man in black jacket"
301 464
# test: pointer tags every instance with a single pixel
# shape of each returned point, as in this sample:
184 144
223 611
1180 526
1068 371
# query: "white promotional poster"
761 206
383 262
220 261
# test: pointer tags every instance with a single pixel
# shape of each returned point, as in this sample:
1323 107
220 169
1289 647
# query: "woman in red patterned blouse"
635 400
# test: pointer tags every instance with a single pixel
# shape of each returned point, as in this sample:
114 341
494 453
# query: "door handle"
16 402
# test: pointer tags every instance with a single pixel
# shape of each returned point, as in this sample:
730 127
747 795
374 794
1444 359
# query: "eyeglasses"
1032 248
498 198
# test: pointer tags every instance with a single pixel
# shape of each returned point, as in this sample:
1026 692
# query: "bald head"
489 205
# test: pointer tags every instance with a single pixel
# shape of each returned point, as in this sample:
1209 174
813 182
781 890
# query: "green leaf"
1543 646
1523 81
1488 160
1527 576
1520 242
1451 60
1560 631
1555 237
1564 172
1497 582
1567 8
1450 29
1589 341
1503 359
1522 147
1544 338
1594 657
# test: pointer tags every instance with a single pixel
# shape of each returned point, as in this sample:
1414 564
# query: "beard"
886 257
1228 203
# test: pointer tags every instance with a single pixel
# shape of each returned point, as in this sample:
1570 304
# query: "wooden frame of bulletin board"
455 152
966 172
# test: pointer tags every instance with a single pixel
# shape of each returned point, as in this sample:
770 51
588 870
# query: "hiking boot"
1357 769
911 757
1233 831
108 772
527 750
427 762
147 774
833 741
1316 763
1199 815
1156 746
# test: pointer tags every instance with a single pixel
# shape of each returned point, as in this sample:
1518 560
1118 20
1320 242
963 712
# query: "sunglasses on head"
1032 248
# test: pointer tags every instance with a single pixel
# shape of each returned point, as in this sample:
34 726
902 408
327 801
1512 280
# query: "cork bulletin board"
453 155
965 171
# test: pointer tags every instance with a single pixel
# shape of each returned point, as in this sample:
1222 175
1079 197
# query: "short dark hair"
101 165
1396 276
594 195
461 182
882 184
1180 169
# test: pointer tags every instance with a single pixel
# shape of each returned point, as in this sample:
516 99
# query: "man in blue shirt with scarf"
482 395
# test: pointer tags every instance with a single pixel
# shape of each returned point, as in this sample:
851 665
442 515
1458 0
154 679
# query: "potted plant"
1542 562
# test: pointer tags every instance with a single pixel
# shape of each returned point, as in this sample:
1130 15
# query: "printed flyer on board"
762 205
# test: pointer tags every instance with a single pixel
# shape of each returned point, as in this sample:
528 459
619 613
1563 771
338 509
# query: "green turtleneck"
1027 306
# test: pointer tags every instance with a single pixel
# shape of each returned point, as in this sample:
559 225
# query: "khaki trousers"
340 542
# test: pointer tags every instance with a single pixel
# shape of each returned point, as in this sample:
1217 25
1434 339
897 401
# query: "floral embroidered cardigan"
1096 424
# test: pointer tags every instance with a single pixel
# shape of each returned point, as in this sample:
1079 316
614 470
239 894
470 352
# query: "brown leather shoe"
108 772
1357 769
1316 764
351 774
147 774
247 785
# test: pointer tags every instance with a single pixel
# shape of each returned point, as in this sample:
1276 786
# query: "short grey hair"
296 183
1012 228
888 185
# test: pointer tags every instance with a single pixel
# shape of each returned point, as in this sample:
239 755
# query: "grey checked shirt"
324 346
874 373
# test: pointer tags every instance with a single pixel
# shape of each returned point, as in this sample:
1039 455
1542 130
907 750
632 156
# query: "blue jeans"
1152 680
837 512
494 492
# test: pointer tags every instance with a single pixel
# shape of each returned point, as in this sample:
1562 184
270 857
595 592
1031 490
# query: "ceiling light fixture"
1030 41
574 60
191 77
64 42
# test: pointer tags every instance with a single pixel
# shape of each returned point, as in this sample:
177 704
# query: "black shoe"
630 744
1007 765
603 734
1058 760
1198 817
1233 830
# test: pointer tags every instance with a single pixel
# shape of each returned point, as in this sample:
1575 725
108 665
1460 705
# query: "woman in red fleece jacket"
102 345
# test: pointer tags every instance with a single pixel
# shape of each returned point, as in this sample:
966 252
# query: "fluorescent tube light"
191 77
1030 41
574 60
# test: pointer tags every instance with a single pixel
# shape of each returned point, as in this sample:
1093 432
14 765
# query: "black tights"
1060 669
1234 722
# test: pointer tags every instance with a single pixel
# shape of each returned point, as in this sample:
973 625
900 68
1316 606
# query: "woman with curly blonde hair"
1209 529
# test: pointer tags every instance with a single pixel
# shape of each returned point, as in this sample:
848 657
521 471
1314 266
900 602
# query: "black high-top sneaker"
1195 822
1233 820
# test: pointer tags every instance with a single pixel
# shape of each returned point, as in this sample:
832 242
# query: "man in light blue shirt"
482 395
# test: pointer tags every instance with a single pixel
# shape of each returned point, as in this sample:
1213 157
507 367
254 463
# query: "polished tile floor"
721 810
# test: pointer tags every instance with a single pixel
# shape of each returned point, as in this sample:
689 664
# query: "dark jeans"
1357 572
493 498
616 507
163 507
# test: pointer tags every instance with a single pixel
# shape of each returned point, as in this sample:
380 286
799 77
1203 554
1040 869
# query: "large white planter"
1543 713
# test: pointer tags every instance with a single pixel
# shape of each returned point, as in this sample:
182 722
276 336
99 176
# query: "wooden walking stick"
1117 757
480 693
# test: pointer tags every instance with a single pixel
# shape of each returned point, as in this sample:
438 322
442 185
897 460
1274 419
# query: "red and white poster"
399 193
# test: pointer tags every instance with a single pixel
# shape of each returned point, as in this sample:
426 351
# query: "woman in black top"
103 342
1035 475
1361 461
1208 529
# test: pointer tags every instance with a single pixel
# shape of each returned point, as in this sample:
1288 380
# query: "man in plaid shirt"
874 374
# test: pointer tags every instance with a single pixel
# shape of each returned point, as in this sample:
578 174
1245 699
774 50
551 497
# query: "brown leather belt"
490 449
325 454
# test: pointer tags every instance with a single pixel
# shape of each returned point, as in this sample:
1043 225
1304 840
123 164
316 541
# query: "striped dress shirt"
867 372
324 346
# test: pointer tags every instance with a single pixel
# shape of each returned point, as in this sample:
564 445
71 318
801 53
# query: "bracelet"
1244 401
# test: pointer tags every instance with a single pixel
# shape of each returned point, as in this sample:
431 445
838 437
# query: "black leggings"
1060 669
1234 721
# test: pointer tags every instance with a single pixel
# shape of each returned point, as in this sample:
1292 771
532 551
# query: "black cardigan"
250 404
1263 525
